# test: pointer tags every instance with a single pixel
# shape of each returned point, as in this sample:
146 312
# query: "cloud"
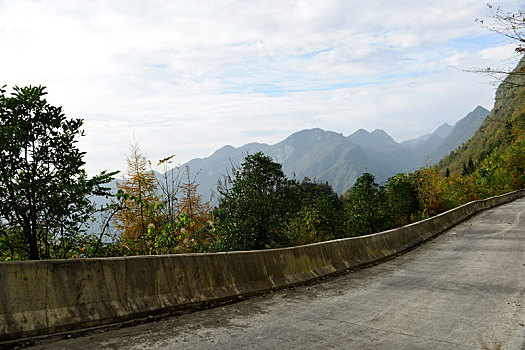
188 77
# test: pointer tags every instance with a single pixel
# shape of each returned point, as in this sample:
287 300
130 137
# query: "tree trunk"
33 242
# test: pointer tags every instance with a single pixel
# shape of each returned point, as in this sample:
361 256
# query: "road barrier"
51 296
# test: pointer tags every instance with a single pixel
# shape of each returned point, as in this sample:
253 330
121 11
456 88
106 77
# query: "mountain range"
328 156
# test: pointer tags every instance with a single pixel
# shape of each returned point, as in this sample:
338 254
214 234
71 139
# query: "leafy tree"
513 162
365 209
12 243
401 194
44 187
257 206
430 191
468 168
322 199
502 171
459 190
305 226
140 205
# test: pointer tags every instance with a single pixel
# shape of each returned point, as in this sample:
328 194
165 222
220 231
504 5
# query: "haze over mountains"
340 160
328 156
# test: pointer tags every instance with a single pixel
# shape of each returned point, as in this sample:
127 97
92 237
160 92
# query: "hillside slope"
504 127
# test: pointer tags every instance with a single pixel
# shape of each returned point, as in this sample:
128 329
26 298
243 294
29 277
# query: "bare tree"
510 25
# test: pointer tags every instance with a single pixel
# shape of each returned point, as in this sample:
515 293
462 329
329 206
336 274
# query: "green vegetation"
260 208
492 161
45 192
505 126
258 205
44 189
365 209
159 216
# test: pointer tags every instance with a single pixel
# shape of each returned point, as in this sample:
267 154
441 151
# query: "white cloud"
187 77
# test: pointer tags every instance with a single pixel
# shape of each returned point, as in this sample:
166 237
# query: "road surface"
463 290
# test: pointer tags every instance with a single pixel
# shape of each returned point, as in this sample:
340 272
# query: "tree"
431 189
257 206
44 187
323 200
194 209
402 199
168 183
468 168
365 207
510 25
139 209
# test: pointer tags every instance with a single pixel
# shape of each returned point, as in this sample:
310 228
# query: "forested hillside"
501 134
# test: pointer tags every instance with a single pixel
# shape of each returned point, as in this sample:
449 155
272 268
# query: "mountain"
444 130
338 159
440 134
462 131
331 157
501 130
377 140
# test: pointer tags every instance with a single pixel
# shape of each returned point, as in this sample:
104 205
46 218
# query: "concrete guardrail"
51 296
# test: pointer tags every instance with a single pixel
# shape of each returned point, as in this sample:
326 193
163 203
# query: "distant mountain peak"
252 144
443 130
481 109
444 125
314 133
377 139
381 134
330 156
462 131
360 132
224 150
476 115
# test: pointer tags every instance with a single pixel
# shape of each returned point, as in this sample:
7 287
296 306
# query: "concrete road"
463 290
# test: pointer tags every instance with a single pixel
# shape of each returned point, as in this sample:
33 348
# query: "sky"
188 77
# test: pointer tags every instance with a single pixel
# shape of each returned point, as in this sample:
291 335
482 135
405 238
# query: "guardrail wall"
43 297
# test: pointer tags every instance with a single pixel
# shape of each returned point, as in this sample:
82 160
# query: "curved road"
463 290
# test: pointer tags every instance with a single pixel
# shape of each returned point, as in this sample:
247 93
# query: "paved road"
463 290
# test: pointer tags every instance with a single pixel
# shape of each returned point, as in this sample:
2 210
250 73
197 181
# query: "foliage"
502 171
459 189
402 199
257 207
318 219
430 190
365 210
44 188
492 161
196 212
504 127
172 220
140 209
